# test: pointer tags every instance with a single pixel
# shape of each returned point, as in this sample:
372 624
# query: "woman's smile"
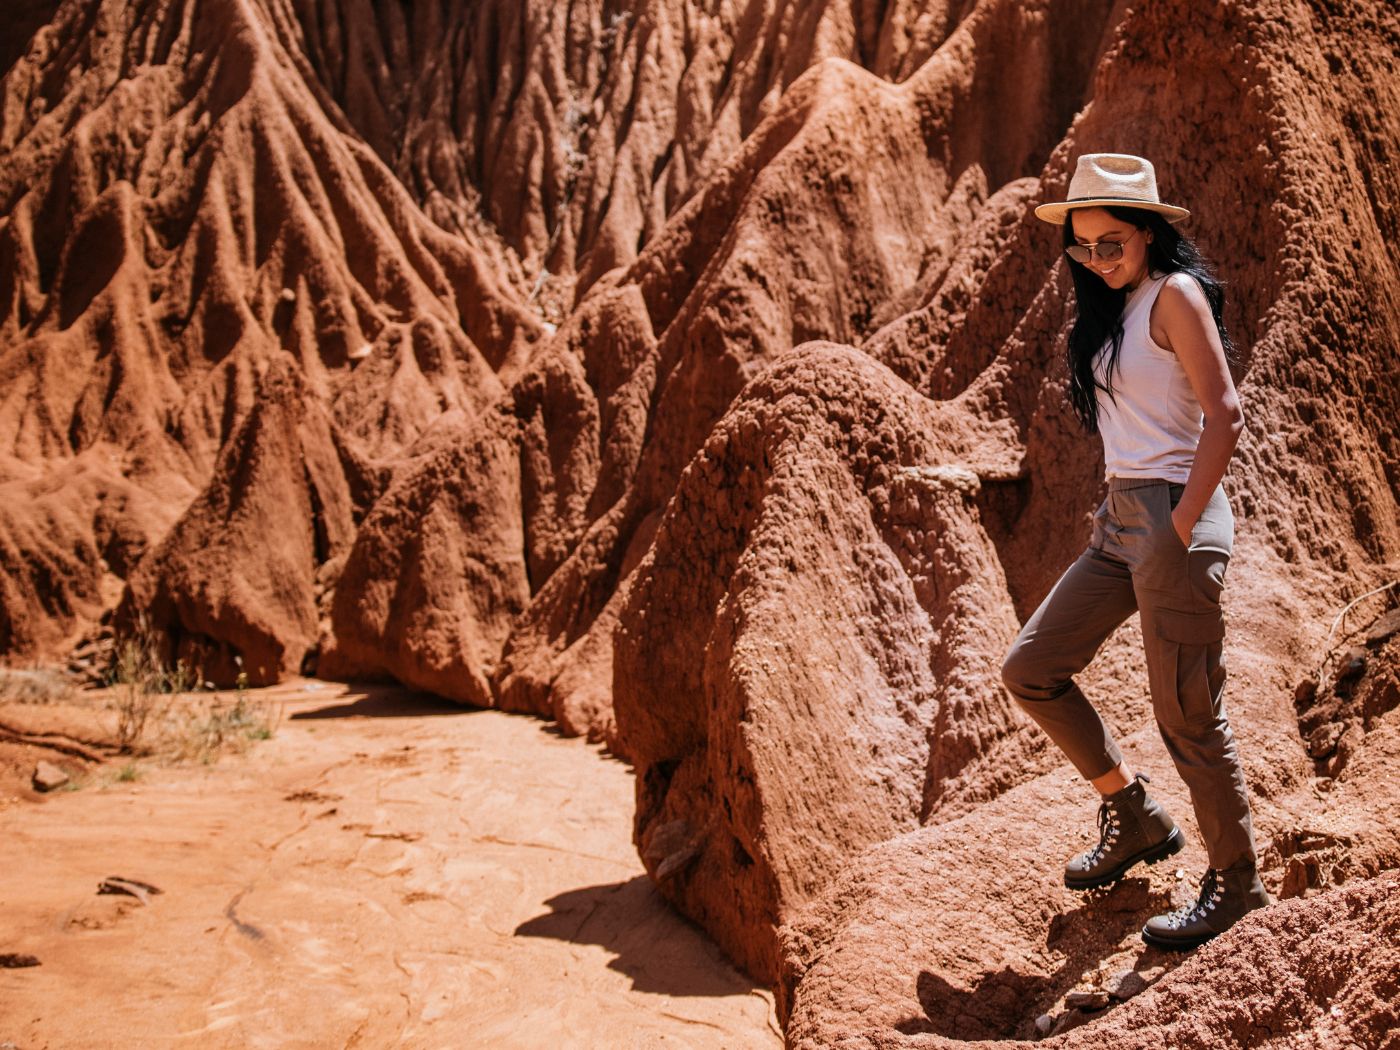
1097 226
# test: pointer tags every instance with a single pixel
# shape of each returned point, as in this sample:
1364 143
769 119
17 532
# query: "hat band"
1127 200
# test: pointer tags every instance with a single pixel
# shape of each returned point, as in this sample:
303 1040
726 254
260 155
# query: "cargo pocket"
1193 670
1206 567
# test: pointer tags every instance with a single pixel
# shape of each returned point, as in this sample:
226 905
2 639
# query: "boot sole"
1185 944
1176 946
1172 844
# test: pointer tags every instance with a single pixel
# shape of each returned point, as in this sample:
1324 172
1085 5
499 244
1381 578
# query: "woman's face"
1096 225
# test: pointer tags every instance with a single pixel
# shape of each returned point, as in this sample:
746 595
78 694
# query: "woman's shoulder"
1179 288
1181 306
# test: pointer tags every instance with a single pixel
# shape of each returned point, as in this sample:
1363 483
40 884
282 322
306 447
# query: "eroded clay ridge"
690 375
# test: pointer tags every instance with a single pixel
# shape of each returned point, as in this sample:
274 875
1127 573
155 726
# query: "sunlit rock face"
692 376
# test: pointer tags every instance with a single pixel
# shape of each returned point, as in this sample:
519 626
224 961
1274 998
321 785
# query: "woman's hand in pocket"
1182 527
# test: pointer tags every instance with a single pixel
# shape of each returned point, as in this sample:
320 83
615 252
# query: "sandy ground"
385 871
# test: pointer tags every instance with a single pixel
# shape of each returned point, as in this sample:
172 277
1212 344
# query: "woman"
1149 371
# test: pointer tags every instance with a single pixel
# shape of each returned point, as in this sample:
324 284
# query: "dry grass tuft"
36 685
211 727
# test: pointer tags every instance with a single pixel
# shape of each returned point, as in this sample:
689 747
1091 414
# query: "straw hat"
1111 178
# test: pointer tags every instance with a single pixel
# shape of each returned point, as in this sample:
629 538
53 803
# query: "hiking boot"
1132 828
1225 897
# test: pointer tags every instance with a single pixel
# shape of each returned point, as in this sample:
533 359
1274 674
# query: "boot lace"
1108 833
1212 892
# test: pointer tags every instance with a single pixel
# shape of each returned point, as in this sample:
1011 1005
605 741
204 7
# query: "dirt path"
382 873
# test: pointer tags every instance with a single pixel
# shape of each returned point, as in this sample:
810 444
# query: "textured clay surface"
356 888
692 375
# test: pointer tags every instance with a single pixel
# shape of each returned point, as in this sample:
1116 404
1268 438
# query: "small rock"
1069 1019
1127 984
1347 744
1323 740
1301 874
288 295
671 847
1095 1000
1043 1024
16 961
1305 693
675 862
1353 663
142 891
48 777
1384 627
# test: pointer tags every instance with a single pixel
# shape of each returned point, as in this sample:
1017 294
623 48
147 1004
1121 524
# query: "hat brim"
1057 212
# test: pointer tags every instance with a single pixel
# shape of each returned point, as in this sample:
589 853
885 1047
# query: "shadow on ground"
383 701
1003 1004
658 949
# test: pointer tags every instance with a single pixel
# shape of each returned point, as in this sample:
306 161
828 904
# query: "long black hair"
1099 318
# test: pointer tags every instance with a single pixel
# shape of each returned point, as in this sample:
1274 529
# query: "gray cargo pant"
1136 562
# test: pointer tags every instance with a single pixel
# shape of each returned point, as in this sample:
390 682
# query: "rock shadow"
993 1008
384 702
1004 1003
658 949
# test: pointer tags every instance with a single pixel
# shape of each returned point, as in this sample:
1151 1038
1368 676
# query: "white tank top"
1151 428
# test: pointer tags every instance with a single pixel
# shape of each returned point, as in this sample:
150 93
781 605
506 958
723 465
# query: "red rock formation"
233 583
945 935
714 327
674 686
580 132
276 288
803 664
900 955
1310 533
180 220
251 219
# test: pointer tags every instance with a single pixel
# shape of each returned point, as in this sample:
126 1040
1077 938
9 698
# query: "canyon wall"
691 374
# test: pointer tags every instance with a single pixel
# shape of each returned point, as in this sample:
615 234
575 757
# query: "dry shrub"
143 687
165 703
210 727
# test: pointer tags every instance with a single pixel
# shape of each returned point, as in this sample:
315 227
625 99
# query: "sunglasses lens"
1107 251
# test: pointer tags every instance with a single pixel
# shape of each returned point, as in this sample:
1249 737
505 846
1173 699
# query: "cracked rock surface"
381 853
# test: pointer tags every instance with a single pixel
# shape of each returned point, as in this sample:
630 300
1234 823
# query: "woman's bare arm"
1182 323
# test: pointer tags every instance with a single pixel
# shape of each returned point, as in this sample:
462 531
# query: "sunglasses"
1107 251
